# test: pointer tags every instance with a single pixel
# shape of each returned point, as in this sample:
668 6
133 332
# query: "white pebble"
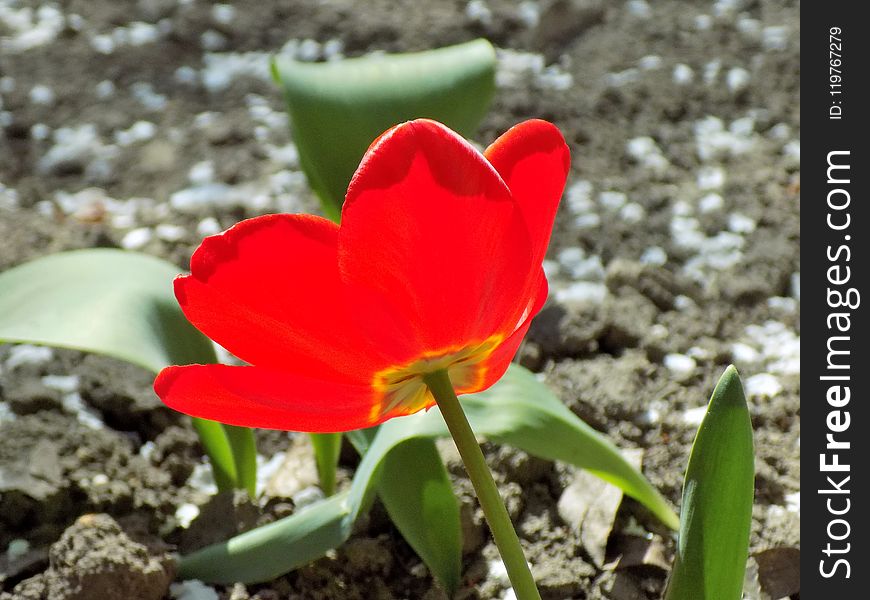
780 131
192 590
711 71
680 364
100 479
212 40
639 8
139 33
140 131
784 304
147 97
711 203
654 255
651 62
711 178
185 74
498 571
589 221
694 416
740 223
703 22
40 131
309 50
27 354
612 200
775 37
137 238
185 514
85 415
582 292
744 353
579 197
169 232
201 173
683 74
682 302
41 94
333 49
763 385
208 226
307 496
16 549
793 502
103 43
223 13
529 13
632 213
105 89
478 12
737 79
62 383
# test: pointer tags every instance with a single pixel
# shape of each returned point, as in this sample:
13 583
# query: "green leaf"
418 495
518 409
119 304
327 447
716 513
267 552
338 108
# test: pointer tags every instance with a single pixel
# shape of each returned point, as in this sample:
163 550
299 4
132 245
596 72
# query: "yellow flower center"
402 390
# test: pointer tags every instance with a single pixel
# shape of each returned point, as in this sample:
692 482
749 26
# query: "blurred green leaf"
518 410
716 513
119 304
338 108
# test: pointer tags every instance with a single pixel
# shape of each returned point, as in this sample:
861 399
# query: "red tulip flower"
436 266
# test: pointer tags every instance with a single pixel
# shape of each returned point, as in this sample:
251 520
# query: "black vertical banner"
835 370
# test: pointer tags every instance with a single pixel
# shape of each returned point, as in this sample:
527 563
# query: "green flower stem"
484 486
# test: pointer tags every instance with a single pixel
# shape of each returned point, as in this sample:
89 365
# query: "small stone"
208 226
680 365
170 233
137 238
42 95
762 385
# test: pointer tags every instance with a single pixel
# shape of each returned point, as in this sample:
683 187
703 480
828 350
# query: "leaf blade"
418 495
337 108
119 304
716 515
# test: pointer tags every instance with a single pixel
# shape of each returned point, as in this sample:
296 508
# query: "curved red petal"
265 398
432 243
268 291
499 361
534 161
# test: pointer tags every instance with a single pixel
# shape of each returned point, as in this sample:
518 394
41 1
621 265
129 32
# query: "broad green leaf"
327 447
338 108
518 410
418 495
119 304
716 514
272 550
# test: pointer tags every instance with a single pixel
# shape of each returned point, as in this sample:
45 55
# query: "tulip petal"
432 244
500 359
268 291
266 398
534 161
